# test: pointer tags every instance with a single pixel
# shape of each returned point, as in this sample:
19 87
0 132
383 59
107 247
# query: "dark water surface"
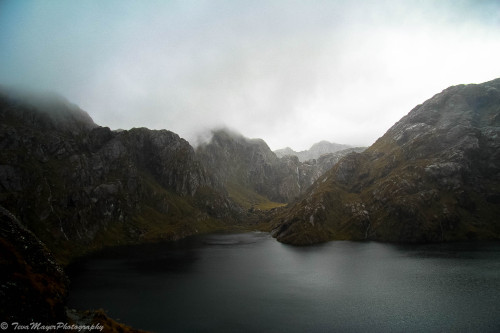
251 283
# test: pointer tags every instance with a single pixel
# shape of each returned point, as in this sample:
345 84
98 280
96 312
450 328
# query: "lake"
249 282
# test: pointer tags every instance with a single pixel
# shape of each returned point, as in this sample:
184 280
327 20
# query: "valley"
70 188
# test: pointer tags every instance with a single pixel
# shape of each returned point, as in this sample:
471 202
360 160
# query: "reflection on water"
249 282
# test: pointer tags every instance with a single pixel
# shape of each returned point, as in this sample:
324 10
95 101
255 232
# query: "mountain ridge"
244 165
315 151
80 186
434 176
69 187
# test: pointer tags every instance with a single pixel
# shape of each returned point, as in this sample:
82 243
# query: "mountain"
69 186
249 170
326 161
434 176
79 186
242 164
253 175
316 150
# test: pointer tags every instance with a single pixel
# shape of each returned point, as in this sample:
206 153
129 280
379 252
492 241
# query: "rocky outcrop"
316 150
79 186
301 175
434 176
33 286
326 161
246 166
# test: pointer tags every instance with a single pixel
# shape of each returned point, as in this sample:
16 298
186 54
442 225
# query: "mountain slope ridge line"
434 176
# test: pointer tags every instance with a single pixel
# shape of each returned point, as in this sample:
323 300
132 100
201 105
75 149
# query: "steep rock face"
434 176
248 165
79 186
240 164
301 175
33 287
326 161
316 150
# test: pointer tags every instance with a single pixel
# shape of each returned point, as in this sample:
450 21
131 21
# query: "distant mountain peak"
316 150
62 114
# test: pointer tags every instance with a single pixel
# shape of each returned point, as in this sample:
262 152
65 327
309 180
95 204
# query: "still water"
249 282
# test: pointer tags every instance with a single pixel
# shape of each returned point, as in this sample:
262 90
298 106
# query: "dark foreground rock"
34 287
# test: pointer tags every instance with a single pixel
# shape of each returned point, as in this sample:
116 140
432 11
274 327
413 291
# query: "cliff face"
252 173
299 176
79 186
236 160
434 176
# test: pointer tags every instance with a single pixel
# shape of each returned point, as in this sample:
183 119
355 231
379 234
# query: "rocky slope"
316 150
236 161
326 161
434 176
254 175
79 186
34 288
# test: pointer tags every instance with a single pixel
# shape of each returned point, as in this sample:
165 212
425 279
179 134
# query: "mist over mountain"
125 123
69 187
316 150
79 186
253 174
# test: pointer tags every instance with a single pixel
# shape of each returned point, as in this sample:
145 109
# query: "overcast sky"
289 72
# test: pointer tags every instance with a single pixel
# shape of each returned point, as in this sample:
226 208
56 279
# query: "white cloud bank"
290 72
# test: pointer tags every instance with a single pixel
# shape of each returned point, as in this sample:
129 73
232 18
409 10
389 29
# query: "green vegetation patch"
248 198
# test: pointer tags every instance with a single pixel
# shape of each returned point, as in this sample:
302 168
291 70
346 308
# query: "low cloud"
290 72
